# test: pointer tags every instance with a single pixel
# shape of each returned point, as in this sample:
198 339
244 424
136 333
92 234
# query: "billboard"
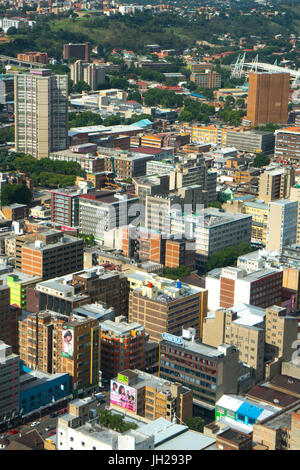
123 395
68 342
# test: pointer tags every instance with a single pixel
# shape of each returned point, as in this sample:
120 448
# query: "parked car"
13 431
35 423
52 433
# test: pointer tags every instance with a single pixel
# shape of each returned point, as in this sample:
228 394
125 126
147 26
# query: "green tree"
177 273
261 160
195 423
12 193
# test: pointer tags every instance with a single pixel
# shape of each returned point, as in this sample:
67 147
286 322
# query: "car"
52 433
102 402
35 423
53 415
12 432
48 428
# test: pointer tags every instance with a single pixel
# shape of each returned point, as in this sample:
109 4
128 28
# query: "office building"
103 211
282 224
275 183
41 124
287 144
295 196
122 346
232 286
77 51
152 397
259 212
211 229
209 372
251 141
268 96
48 254
162 305
9 381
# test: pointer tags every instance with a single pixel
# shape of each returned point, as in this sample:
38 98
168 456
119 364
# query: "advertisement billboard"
68 342
123 395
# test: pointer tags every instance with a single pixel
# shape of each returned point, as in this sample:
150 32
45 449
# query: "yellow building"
18 283
259 212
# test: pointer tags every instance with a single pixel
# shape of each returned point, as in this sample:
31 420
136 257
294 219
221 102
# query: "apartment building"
206 79
9 381
38 57
281 332
232 286
276 183
282 224
196 67
66 293
41 124
209 372
125 164
242 327
77 51
287 144
153 396
55 343
122 346
102 211
65 207
162 305
268 97
92 74
48 254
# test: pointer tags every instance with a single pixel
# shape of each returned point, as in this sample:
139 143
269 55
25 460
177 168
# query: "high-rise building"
122 346
55 343
41 106
295 196
48 254
282 227
287 144
275 183
165 306
92 74
77 51
209 372
268 97
243 327
65 207
9 381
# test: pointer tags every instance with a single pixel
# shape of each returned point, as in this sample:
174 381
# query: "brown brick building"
268 98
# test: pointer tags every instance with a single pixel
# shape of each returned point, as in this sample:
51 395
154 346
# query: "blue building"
38 389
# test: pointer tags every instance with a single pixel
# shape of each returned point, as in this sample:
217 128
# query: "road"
46 422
